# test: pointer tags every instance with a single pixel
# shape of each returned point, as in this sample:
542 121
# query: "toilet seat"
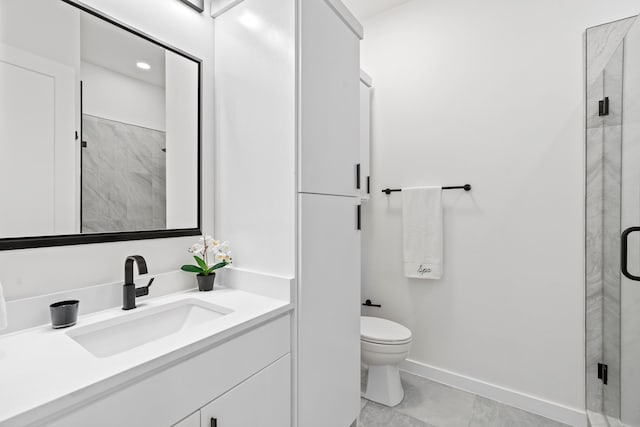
382 331
383 342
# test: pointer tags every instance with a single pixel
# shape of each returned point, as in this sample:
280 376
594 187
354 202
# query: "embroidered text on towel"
422 269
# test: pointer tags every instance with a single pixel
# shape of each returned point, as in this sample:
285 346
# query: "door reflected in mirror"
99 125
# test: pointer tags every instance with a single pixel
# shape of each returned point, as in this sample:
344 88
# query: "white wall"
22 28
255 81
181 139
489 93
114 96
39 271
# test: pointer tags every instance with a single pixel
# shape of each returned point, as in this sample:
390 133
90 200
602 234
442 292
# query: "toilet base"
383 385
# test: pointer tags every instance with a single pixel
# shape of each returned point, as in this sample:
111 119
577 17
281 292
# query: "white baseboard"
555 411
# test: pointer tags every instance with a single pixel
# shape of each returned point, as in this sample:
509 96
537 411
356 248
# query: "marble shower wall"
604 61
612 204
123 177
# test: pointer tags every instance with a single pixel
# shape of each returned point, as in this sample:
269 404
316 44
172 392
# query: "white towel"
3 311
422 232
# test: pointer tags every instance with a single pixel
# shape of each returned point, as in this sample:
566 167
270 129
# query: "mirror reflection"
99 126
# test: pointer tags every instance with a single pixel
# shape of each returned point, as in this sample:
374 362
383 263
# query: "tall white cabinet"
328 238
288 144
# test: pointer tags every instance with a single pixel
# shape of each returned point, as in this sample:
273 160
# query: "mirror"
99 129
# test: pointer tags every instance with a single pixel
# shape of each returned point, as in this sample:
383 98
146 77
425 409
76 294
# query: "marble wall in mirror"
99 125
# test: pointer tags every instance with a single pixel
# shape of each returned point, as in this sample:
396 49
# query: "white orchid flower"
208 246
205 240
196 249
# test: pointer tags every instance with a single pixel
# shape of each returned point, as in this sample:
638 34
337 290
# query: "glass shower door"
610 113
630 242
613 223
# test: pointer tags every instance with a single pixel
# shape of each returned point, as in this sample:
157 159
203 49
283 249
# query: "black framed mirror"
100 129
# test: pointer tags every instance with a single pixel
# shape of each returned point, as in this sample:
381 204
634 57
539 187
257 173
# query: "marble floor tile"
375 415
489 413
596 419
430 404
435 403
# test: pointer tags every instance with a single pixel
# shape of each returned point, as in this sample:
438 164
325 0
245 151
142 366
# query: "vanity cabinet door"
329 104
262 400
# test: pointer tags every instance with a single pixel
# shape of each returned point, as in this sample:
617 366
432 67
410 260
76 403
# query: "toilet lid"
374 329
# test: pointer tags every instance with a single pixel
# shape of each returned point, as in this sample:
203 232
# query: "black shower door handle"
623 257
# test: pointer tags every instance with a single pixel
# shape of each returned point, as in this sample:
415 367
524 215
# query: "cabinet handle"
214 422
359 216
358 176
368 185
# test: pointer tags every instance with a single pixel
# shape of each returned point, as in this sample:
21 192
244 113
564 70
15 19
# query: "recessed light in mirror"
143 66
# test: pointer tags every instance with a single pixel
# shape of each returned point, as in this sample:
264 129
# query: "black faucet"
129 291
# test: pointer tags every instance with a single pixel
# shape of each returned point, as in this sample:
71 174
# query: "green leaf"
218 265
203 265
191 269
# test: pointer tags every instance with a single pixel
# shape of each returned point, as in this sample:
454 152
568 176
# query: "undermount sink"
129 331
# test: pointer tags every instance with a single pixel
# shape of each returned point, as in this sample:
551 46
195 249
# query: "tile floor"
430 404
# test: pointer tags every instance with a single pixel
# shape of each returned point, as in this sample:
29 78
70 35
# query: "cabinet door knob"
214 422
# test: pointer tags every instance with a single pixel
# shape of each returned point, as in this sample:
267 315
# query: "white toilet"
384 345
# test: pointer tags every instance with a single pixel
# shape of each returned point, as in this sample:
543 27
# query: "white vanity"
182 359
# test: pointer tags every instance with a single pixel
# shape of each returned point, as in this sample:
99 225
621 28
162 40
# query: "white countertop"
44 371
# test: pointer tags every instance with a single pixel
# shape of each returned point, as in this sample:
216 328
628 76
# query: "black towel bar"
466 187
